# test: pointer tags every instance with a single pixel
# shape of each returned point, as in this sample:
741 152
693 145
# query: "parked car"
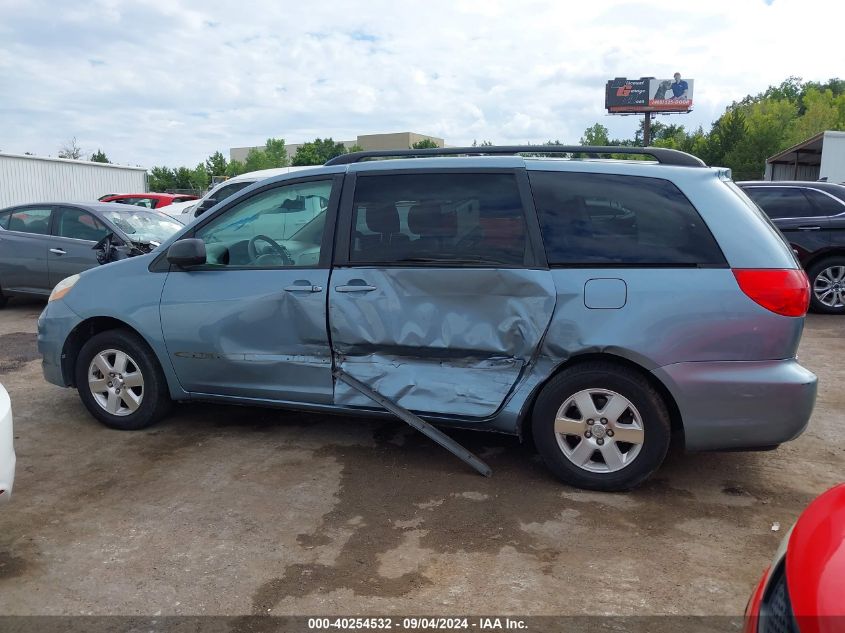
599 305
180 211
233 185
7 448
41 244
802 590
811 215
148 200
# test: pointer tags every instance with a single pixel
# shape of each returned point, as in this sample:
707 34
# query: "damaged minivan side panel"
446 341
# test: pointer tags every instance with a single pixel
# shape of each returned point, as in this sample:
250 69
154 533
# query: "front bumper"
55 323
729 405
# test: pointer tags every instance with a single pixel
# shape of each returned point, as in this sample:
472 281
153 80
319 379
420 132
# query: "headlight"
63 287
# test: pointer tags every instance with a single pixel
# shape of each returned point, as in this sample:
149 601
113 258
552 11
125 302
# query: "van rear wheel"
601 426
120 382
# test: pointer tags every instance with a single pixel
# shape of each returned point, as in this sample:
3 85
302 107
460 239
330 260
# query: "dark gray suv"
811 215
600 305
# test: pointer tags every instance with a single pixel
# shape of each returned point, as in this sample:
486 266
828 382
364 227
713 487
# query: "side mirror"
186 253
204 206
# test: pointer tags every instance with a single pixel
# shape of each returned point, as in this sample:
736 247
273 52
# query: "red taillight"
783 291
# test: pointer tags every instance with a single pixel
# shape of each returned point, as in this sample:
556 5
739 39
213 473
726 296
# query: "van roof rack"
662 155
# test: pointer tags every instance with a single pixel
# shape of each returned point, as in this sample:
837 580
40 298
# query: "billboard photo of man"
670 95
679 88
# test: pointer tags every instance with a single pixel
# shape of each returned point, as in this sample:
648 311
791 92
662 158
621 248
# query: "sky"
168 82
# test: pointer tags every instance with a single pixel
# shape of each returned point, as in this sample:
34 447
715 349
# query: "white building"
819 157
25 179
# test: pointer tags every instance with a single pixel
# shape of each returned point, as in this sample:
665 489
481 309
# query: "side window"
823 204
4 219
278 228
147 203
30 220
608 219
781 202
229 190
80 225
437 219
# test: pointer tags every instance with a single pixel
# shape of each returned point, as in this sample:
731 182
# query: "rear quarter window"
781 202
615 220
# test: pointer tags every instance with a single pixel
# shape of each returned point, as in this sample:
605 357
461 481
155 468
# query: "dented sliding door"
446 341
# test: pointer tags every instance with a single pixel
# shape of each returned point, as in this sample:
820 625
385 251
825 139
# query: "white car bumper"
7 449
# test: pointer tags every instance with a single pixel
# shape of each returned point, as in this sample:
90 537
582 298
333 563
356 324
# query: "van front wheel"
601 426
120 382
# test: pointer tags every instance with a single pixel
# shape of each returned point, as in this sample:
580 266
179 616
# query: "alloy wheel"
116 382
599 430
829 287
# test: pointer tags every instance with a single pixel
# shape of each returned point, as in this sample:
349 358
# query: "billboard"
648 95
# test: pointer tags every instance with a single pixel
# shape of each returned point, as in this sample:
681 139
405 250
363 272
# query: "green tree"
256 159
766 124
276 152
318 151
200 177
216 165
235 168
482 143
596 134
426 143
99 157
161 179
821 111
356 148
307 154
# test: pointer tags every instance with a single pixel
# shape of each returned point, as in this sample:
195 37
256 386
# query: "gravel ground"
231 510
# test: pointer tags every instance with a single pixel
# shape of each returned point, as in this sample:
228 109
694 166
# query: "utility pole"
647 129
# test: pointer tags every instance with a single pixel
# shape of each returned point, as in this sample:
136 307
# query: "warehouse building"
25 179
394 140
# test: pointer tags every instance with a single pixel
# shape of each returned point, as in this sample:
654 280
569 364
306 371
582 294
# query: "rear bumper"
739 404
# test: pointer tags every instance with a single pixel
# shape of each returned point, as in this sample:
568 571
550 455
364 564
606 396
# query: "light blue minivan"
600 305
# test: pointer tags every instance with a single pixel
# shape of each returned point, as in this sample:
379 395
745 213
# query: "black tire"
155 401
600 375
813 273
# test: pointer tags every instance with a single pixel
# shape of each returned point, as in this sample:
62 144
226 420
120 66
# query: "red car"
804 589
148 200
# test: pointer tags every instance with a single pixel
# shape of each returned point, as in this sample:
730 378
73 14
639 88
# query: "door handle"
355 288
809 228
303 287
58 251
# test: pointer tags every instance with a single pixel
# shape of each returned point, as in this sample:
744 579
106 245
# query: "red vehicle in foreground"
804 589
148 200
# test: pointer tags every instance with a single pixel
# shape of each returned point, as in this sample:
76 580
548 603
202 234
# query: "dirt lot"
228 510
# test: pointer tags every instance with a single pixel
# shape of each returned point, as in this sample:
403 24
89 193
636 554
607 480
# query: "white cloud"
167 82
